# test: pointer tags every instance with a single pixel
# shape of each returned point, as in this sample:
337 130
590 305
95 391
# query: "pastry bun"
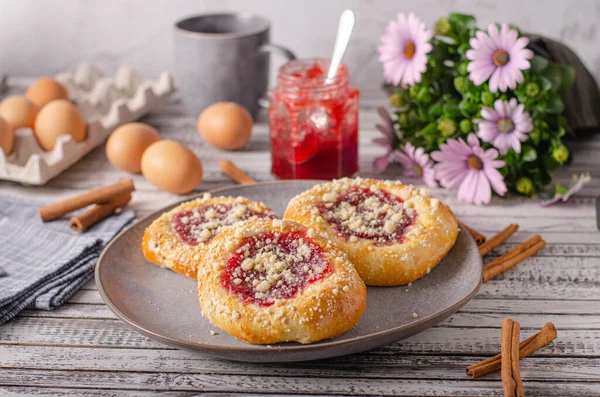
270 281
178 237
393 233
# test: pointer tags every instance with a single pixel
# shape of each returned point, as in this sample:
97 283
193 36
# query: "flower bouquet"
476 110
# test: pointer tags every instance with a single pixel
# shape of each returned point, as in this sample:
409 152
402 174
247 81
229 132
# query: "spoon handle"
341 42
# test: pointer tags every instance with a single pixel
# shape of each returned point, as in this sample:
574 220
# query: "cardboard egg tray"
105 104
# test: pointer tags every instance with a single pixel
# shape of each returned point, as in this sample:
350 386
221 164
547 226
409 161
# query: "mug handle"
279 50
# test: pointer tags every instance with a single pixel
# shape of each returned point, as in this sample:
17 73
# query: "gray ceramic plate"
163 304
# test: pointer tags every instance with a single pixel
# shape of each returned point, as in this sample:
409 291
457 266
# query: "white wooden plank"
437 340
533 306
552 249
357 365
18 391
528 321
91 297
70 310
268 384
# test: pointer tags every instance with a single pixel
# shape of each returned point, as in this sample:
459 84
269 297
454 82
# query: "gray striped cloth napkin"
45 263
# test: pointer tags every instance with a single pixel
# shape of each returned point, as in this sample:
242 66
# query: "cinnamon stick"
528 346
498 239
511 373
514 252
490 272
478 237
98 212
99 195
232 171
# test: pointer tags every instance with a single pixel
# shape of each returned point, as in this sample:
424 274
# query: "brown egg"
7 137
45 90
172 167
18 111
59 117
225 125
127 144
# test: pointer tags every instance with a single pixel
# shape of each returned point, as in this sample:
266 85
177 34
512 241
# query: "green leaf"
467 108
461 21
567 78
550 164
522 97
545 84
462 49
435 110
534 136
561 189
430 129
554 105
538 63
423 96
422 114
552 73
451 110
528 153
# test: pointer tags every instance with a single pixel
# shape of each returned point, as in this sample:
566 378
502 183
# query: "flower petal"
484 191
381 163
468 187
496 179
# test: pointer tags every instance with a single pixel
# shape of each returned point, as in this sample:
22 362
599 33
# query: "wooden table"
82 349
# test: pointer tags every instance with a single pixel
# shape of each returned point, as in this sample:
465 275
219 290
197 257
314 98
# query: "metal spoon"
341 43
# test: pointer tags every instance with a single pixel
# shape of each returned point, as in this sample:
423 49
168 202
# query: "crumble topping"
274 265
367 213
201 224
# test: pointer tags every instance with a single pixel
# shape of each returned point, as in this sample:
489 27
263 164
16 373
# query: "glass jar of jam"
313 122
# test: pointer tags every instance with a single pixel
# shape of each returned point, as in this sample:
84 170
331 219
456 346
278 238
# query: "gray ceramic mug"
224 57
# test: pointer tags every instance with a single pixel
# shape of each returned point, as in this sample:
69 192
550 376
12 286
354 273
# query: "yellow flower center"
474 163
418 169
500 58
505 125
409 49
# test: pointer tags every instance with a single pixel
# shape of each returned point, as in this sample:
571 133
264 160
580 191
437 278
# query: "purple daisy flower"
386 127
577 183
466 166
506 126
404 50
416 163
499 54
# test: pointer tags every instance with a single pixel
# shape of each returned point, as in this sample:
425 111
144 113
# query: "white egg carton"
105 104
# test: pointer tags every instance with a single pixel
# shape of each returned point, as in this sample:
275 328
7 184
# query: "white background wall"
39 37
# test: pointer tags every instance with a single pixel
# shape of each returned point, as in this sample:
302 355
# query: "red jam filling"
373 215
200 225
314 124
271 266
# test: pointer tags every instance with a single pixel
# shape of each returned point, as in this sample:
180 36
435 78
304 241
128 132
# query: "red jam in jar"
313 122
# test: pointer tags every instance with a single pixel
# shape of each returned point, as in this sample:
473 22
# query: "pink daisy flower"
466 166
506 126
416 163
499 54
404 50
577 183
